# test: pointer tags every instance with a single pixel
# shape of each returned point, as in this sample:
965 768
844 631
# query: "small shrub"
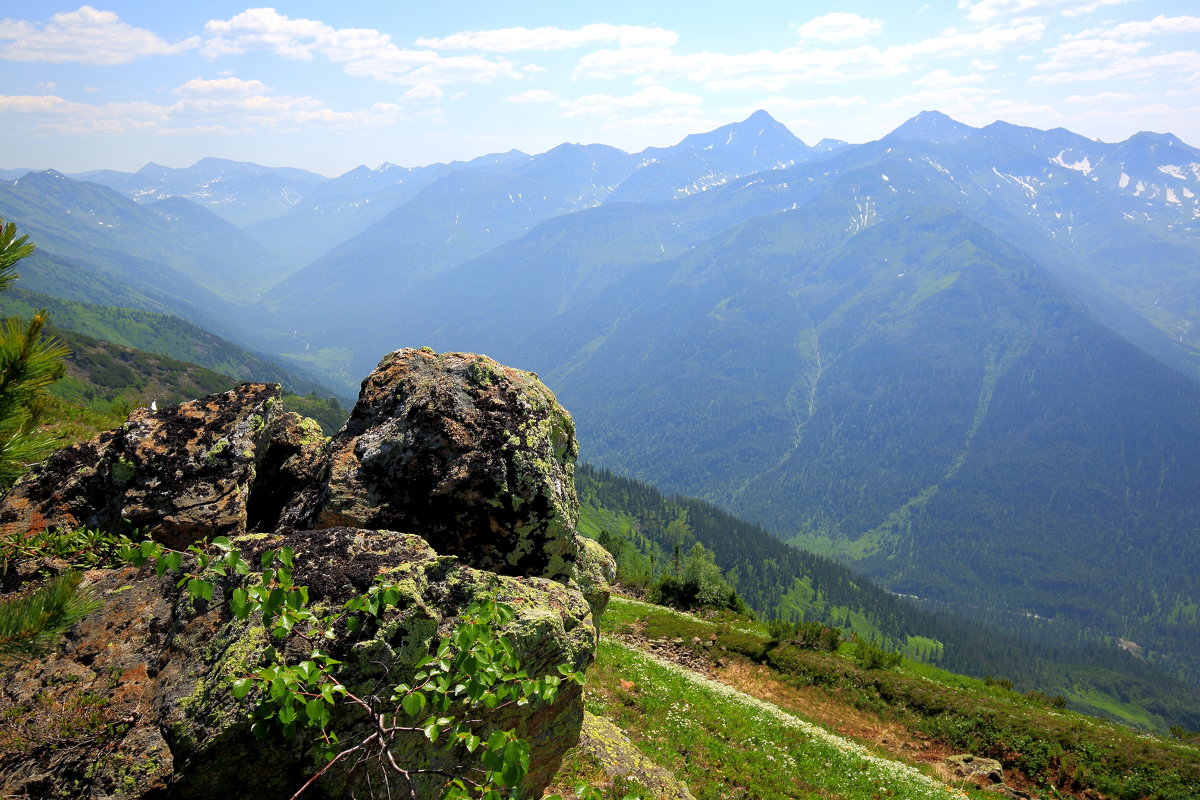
869 655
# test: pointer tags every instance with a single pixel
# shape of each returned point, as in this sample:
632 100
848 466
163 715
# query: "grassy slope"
158 333
891 725
104 381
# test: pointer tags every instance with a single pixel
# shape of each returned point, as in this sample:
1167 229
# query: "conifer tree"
29 363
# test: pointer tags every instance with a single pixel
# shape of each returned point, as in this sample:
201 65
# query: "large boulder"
183 473
475 456
471 461
140 703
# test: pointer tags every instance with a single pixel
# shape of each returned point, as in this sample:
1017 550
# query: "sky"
329 86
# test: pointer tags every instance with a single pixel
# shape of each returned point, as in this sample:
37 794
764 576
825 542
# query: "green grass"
1055 749
724 744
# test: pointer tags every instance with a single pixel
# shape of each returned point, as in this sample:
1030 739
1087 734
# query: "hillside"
159 333
730 711
642 528
105 381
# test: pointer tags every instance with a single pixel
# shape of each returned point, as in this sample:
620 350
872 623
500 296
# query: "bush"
809 635
871 656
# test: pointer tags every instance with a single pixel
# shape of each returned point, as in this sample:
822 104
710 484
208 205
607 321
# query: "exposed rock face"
476 456
472 461
183 472
140 702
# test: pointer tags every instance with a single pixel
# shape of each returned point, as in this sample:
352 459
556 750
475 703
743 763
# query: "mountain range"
962 360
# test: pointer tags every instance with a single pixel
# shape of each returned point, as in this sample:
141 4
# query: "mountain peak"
932 126
1150 137
751 132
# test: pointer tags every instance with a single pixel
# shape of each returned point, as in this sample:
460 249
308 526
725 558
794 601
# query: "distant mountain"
913 354
932 126
90 222
829 145
160 334
704 160
963 359
454 219
343 207
238 191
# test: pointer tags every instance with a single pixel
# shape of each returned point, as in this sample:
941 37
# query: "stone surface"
475 456
139 702
182 472
972 767
606 744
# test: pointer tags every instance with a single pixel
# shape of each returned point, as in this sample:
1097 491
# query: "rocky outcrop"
182 473
609 748
141 699
477 456
454 476
966 766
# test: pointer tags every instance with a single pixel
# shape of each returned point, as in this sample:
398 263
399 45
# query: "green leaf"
200 589
413 704
287 714
317 713
239 603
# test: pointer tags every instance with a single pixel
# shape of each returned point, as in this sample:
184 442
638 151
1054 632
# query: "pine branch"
31 624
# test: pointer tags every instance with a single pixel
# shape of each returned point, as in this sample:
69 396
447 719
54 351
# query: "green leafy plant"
473 670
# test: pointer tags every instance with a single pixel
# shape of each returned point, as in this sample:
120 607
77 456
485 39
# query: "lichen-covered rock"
139 704
475 456
183 472
595 572
972 767
606 745
291 468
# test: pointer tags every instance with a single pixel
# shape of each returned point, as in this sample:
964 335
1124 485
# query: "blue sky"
329 85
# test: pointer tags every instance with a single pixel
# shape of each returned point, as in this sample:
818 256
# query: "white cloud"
1085 51
988 10
1139 114
840 26
220 86
656 97
213 106
766 71
362 52
943 79
996 39
788 105
1157 66
1102 97
84 36
951 101
1159 26
533 96
773 71
424 93
511 40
